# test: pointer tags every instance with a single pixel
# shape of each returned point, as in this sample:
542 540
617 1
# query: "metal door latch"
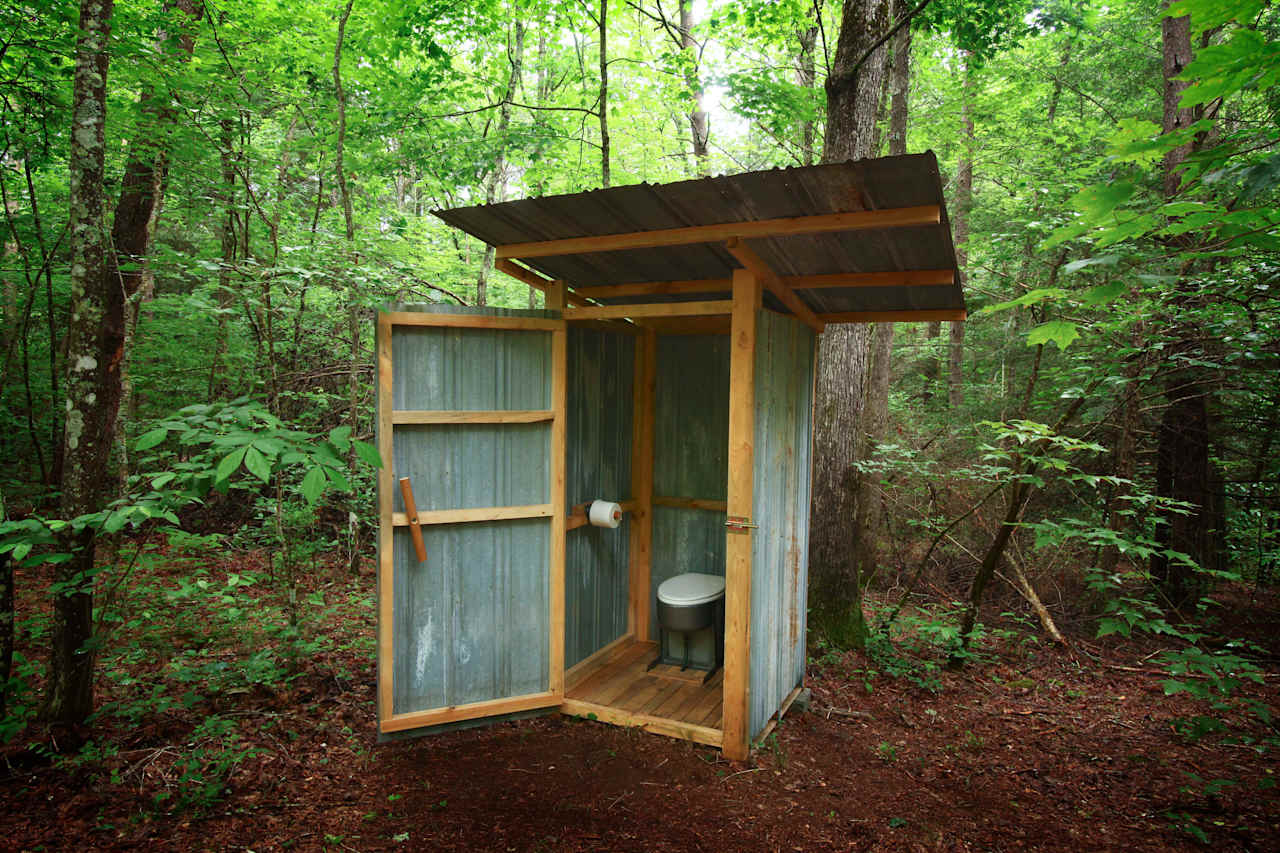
740 522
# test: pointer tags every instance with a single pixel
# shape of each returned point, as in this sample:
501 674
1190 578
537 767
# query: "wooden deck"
616 688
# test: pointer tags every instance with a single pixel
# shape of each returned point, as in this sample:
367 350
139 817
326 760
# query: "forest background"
1100 433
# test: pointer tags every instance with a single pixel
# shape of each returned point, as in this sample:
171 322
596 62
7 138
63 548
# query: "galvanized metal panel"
471 623
780 506
598 466
875 184
691 455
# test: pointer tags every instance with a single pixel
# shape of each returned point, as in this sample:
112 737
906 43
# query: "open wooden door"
471 409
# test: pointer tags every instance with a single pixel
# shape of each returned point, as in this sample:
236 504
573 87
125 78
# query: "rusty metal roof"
888 182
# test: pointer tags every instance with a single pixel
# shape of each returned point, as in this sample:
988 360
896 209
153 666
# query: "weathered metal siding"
471 623
780 506
691 455
598 465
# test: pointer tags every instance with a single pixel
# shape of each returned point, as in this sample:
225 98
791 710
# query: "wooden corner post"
644 384
737 630
559 407
386 536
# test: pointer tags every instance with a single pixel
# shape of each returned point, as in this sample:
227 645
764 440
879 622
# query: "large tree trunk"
1184 469
95 342
853 92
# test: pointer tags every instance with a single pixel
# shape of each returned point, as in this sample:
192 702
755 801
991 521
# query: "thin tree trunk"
806 75
699 129
603 106
960 222
224 298
348 215
7 618
94 341
496 183
836 576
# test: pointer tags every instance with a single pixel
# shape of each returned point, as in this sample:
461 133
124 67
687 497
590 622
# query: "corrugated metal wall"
471 623
780 506
598 465
691 455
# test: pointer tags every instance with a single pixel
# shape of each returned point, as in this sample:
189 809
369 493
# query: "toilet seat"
691 589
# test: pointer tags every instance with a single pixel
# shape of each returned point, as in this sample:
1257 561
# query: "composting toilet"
691 605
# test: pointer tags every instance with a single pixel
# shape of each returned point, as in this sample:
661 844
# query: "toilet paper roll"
604 514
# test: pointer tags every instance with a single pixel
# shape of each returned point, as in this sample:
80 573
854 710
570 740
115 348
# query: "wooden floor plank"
587 688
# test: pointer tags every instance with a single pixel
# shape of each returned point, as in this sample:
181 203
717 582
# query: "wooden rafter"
749 259
532 279
896 278
935 315
929 214
650 309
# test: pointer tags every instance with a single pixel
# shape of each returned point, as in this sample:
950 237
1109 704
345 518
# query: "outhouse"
672 372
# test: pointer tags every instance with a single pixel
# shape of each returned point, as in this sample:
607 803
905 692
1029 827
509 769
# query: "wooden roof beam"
925 315
895 278
770 279
532 279
650 309
685 287
858 220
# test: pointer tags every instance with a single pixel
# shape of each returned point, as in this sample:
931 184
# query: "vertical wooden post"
386 559
644 384
559 405
737 631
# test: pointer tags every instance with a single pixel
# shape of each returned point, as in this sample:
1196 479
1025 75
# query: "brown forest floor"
1030 748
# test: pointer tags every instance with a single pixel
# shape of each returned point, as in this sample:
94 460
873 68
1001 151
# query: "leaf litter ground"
1029 748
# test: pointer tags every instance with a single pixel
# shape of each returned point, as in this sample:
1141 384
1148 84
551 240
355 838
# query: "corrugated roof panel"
878 184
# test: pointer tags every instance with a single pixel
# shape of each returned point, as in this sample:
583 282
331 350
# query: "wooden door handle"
411 512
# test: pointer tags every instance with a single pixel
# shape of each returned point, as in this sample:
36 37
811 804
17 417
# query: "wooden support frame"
737 633
643 402
930 214
557 293
474 514
952 315
472 321
650 309
387 419
411 518
532 279
765 274
505 416
656 725
471 710
692 503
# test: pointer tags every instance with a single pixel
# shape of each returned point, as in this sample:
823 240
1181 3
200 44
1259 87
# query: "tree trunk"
496 183
806 74
226 230
344 192
1184 468
7 619
603 22
852 101
899 89
699 131
95 341
960 222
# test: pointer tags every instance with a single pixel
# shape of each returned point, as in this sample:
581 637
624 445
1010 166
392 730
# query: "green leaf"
1104 293
163 480
257 464
148 440
341 437
339 480
367 453
229 464
313 485
1098 200
1060 332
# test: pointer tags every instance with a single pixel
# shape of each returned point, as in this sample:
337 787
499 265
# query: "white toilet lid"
691 588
